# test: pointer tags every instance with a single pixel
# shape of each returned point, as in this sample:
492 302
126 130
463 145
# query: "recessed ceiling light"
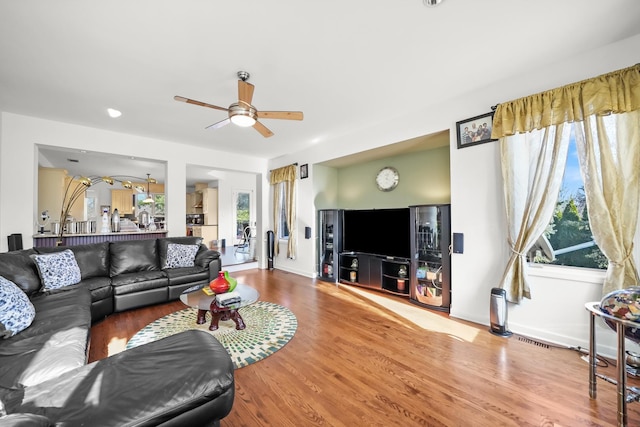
431 2
113 113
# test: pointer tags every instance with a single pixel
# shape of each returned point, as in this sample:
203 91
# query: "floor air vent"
534 342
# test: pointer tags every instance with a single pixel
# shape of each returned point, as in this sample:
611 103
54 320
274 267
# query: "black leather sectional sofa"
185 379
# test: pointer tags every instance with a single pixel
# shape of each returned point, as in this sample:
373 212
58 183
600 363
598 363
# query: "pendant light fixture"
149 199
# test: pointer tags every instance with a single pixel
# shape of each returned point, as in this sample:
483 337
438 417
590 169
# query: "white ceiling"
345 64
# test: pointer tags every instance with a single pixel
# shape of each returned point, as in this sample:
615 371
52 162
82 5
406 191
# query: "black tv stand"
379 272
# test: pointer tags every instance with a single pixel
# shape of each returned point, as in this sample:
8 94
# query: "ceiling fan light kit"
242 113
243 116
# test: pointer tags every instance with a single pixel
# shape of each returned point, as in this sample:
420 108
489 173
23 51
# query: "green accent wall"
424 179
325 186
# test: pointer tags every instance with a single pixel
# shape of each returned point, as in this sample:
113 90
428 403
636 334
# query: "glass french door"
243 214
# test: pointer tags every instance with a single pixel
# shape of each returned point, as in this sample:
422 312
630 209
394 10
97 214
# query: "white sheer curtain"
532 167
609 155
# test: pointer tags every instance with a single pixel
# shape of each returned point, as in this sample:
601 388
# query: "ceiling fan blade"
201 104
262 129
245 91
219 124
284 115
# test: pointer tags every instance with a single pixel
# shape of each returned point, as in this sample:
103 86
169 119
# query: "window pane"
568 239
243 214
155 209
158 205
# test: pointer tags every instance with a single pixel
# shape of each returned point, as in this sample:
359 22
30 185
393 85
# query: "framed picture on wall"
474 131
304 171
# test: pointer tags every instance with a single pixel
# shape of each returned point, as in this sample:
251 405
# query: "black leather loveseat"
185 379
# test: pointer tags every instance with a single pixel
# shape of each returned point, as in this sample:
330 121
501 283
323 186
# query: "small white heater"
498 313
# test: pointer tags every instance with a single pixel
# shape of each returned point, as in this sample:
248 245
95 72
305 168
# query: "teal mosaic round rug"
269 327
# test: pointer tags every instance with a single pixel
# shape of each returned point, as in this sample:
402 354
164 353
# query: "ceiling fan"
242 113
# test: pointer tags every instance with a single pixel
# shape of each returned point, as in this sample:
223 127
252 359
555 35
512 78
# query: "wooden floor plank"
354 363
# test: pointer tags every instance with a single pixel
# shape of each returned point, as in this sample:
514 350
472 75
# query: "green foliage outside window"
155 209
569 233
569 229
242 213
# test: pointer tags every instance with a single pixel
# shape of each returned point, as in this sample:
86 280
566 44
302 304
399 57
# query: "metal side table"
621 373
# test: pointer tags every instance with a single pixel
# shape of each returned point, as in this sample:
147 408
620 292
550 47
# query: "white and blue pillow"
180 255
16 310
58 269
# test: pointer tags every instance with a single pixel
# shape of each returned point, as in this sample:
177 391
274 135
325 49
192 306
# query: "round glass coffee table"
195 297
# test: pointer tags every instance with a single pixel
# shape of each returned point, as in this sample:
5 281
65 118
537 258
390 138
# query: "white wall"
18 164
556 313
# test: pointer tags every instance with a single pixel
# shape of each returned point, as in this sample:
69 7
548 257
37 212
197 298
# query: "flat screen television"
377 231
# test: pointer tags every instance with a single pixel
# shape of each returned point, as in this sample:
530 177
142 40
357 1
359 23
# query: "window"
283 228
568 240
155 209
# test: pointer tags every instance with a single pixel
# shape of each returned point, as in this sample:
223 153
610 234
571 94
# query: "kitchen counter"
50 240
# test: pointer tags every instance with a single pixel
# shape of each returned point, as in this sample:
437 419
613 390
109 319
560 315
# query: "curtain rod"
292 164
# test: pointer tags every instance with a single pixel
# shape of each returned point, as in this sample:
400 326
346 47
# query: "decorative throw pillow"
180 255
58 269
16 311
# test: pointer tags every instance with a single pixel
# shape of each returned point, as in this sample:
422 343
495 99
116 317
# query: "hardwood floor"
355 363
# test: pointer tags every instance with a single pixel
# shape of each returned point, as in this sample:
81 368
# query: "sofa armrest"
208 258
25 420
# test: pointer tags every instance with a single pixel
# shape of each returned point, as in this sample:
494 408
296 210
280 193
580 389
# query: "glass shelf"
431 264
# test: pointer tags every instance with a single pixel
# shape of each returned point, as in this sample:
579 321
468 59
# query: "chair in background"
243 246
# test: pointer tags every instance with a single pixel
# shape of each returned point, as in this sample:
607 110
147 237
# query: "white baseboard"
241 267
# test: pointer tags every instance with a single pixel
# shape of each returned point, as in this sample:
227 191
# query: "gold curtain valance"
286 173
615 92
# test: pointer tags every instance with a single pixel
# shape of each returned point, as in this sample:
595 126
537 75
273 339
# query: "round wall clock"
387 178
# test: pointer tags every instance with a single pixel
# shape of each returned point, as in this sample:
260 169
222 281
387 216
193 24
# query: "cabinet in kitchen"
152 188
122 200
210 206
204 200
191 204
209 233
